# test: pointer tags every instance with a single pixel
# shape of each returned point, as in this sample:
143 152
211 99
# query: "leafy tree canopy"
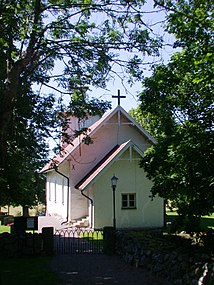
65 45
178 99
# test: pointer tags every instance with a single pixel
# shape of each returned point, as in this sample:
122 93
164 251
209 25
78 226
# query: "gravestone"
48 240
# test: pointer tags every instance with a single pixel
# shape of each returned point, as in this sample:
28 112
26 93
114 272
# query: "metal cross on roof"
118 96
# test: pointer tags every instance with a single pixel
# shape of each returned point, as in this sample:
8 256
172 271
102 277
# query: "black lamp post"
114 185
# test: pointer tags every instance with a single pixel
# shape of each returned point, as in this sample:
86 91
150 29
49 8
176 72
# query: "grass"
207 222
94 238
4 229
25 271
96 235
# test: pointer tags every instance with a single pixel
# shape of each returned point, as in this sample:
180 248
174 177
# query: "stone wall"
167 256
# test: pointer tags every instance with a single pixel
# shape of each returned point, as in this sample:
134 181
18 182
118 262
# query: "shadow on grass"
25 271
206 222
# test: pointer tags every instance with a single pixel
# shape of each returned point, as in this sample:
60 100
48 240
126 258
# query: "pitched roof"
116 152
63 155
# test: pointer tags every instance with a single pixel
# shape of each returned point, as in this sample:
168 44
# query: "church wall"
129 132
86 157
79 205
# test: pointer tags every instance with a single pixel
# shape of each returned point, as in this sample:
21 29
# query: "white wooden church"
79 190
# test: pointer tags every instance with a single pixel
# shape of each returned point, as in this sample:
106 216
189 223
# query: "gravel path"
100 269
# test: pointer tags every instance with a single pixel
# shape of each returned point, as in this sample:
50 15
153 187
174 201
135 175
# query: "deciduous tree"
179 99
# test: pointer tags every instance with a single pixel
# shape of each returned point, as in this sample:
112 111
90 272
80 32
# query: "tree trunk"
25 211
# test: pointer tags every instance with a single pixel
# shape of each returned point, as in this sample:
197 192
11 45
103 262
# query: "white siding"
55 186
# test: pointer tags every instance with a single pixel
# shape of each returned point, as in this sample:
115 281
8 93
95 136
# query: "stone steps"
83 223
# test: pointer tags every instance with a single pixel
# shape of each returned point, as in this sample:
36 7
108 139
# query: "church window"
129 201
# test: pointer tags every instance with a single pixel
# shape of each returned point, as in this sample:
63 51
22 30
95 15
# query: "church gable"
113 128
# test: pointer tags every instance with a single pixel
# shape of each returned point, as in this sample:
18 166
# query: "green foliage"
179 99
27 150
147 121
82 107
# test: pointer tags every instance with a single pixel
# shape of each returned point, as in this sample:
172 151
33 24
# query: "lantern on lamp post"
114 185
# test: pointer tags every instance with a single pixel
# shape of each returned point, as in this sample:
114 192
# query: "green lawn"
27 271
